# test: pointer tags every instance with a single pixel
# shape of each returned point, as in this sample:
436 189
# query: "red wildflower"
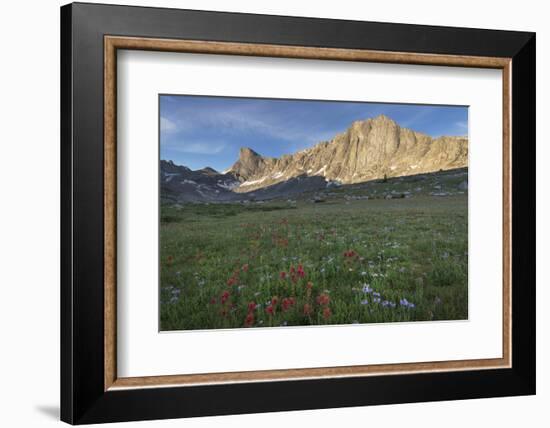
251 307
323 299
301 272
282 275
213 301
326 313
307 309
231 281
224 297
245 267
309 287
249 320
274 300
269 309
287 303
350 253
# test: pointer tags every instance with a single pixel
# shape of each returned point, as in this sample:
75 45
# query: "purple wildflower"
406 303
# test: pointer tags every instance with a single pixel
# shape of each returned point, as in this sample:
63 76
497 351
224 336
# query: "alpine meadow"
277 213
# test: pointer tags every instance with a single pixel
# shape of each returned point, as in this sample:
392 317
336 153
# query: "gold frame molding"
113 43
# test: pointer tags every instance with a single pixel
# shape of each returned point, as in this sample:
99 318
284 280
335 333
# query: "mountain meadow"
370 227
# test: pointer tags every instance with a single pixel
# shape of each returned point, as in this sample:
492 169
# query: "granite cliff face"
368 149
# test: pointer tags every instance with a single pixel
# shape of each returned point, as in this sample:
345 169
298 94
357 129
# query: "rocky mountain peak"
382 118
170 167
248 164
369 149
209 171
246 153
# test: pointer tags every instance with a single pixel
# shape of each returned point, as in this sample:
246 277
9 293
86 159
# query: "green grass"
413 249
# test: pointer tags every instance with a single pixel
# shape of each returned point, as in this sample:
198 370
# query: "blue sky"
199 131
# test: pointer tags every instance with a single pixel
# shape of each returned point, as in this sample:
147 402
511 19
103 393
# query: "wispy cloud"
462 125
166 125
251 119
413 119
200 148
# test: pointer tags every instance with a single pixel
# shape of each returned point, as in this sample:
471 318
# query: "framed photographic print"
264 213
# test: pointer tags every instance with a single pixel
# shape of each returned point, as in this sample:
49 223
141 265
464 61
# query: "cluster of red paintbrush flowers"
298 301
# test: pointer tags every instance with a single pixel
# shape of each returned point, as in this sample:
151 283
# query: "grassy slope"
402 248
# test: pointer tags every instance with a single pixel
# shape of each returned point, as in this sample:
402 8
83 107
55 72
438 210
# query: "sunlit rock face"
369 149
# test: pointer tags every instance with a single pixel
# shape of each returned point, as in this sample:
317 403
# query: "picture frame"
91 35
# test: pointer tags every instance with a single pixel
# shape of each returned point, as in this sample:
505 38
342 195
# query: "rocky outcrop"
179 183
248 164
368 149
